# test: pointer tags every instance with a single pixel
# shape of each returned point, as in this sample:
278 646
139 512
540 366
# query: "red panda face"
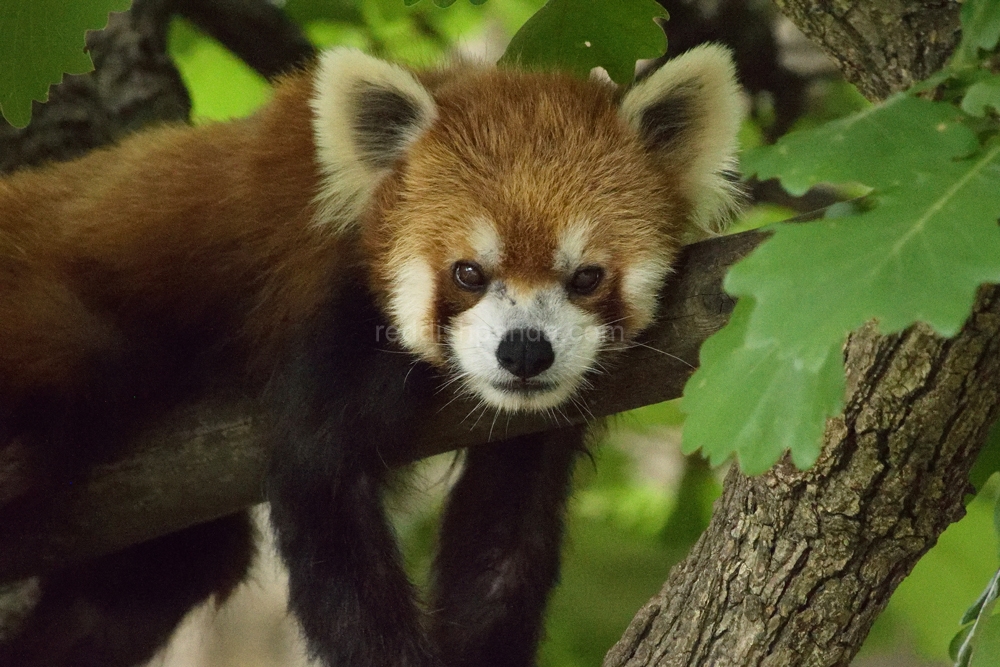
519 226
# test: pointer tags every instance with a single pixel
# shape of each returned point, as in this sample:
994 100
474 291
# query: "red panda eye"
469 276
586 280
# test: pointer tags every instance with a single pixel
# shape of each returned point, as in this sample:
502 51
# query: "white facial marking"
348 181
641 283
573 248
576 337
485 242
412 307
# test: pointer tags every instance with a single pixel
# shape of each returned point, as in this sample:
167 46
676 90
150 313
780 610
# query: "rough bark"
882 46
795 566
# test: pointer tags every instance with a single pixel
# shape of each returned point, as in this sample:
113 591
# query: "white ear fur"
366 112
689 112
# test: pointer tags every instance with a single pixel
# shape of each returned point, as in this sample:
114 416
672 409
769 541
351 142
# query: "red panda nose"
525 352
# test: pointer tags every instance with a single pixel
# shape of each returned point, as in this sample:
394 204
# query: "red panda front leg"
500 548
343 402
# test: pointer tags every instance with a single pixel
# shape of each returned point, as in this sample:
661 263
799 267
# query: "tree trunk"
882 46
795 566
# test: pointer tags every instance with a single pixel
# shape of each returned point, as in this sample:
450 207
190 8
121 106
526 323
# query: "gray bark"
795 566
882 46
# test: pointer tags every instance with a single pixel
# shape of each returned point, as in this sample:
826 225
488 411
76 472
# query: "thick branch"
259 33
207 461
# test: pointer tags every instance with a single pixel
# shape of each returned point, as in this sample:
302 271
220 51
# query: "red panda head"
518 226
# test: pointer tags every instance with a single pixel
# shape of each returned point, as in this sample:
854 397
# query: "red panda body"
512 228
203 229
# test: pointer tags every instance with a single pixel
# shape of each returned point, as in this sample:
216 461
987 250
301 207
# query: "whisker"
455 377
410 370
581 405
486 408
495 417
650 347
560 410
453 399
474 408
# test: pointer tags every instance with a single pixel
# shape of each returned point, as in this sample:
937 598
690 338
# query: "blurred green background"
640 504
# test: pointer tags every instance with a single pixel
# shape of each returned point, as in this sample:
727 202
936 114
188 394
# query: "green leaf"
919 256
988 461
981 636
980 24
39 41
986 640
752 401
444 3
976 609
956 644
883 146
986 643
579 36
981 96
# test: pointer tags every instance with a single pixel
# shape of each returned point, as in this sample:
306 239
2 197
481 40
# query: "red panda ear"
366 113
688 113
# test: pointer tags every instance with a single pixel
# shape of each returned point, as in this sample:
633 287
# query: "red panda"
508 229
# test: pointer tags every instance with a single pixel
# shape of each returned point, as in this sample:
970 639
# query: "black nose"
525 352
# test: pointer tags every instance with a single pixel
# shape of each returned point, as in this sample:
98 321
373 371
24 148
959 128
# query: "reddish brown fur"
532 153
223 249
212 230
208 229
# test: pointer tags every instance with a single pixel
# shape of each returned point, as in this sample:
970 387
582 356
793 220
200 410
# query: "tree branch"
258 33
207 460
